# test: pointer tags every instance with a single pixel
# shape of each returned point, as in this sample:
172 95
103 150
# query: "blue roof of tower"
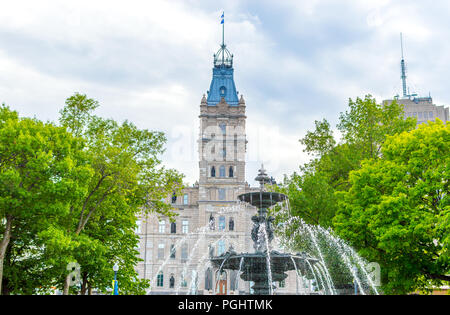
222 84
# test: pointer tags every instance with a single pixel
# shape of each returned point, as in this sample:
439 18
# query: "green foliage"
364 128
73 194
367 124
397 209
39 178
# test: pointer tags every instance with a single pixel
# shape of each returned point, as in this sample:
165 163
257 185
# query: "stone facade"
210 219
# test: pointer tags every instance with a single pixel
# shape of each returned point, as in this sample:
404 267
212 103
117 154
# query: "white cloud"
150 62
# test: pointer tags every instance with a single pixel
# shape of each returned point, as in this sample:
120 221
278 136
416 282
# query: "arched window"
221 288
213 171
231 171
212 223
172 281
222 171
208 279
160 279
173 227
223 91
231 224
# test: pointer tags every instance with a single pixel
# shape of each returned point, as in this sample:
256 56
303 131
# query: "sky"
150 62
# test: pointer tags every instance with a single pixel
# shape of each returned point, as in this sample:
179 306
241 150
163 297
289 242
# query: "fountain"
264 266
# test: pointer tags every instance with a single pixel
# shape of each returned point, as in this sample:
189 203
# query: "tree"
127 180
397 210
364 127
38 181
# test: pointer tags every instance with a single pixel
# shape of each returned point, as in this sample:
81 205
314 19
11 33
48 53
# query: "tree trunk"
84 285
3 245
66 285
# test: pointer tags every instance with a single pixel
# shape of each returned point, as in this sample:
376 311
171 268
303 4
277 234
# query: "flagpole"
223 37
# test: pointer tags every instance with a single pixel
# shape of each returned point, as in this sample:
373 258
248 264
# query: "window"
223 128
425 115
231 224
213 171
221 194
173 227
212 223
233 279
161 251
172 281
183 283
160 279
172 251
431 115
223 91
185 199
162 226
185 227
184 252
231 172
174 197
208 279
222 171
138 227
420 115
221 247
221 223
211 251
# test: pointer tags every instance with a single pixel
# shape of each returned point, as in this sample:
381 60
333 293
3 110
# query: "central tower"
222 139
222 147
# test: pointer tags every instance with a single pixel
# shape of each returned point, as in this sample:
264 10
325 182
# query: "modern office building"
421 108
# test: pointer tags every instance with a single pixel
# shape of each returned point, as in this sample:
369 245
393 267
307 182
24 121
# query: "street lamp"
115 283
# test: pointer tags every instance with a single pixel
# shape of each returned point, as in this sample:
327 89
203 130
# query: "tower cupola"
222 84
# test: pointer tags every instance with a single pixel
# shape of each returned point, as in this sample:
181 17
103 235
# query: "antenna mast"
403 65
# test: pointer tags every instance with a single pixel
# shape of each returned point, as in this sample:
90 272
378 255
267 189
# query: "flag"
223 18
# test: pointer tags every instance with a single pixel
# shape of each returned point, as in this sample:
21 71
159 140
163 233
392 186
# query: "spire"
223 58
222 84
403 66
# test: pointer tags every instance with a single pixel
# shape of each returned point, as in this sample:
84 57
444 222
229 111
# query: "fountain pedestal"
265 266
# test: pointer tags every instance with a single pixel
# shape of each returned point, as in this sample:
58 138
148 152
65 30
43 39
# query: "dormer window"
223 91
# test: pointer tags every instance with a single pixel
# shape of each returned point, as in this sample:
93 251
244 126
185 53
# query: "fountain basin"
254 266
262 199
